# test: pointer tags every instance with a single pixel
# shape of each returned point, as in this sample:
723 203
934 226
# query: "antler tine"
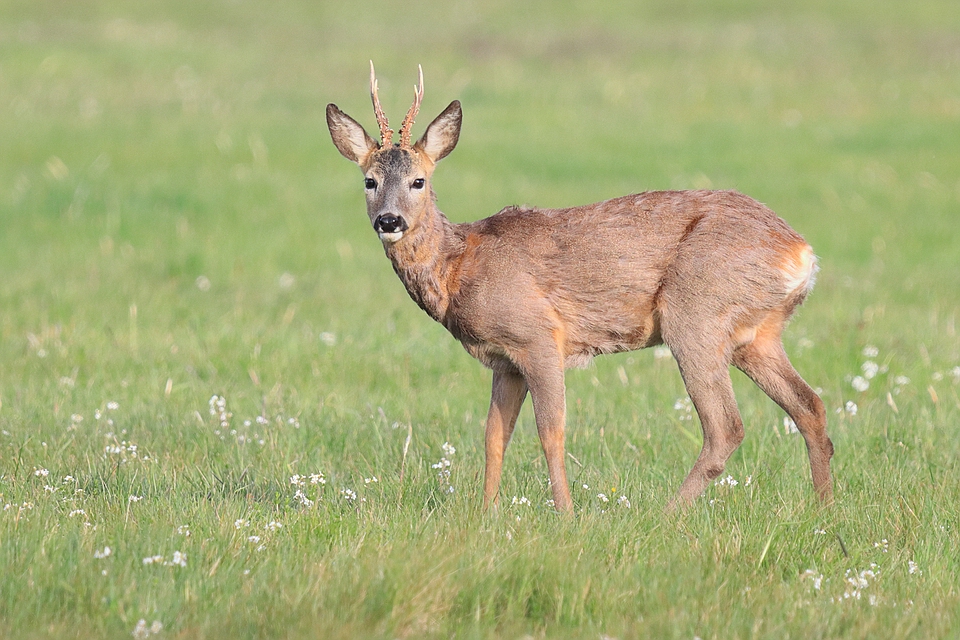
412 113
386 133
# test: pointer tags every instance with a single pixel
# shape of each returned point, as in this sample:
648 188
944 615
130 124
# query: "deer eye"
418 183
370 183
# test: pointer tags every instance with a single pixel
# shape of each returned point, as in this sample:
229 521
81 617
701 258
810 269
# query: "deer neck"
425 260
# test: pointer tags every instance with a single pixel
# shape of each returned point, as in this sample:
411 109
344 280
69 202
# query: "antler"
412 113
386 133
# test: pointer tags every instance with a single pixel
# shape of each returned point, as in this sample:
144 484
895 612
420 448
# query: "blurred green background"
175 223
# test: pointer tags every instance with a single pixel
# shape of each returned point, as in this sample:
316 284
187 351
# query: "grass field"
209 373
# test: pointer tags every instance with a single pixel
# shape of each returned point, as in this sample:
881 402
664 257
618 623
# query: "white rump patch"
800 271
391 237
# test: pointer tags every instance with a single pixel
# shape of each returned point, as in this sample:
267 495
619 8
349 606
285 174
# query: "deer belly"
489 355
581 346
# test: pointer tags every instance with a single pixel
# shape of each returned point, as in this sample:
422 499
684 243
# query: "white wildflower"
179 560
521 501
328 338
77 512
443 467
100 554
112 406
883 545
40 473
602 497
240 523
297 480
816 577
143 631
624 502
317 478
859 580
870 369
374 479
125 450
349 494
153 560
184 530
789 426
914 568
273 525
859 383
134 498
301 497
850 408
729 481
253 539
901 381
218 409
870 351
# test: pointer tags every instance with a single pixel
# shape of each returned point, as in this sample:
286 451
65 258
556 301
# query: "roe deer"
714 275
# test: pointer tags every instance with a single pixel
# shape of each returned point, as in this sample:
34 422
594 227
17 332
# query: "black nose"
389 223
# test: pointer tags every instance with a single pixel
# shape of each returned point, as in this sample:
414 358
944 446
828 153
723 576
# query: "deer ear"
348 136
441 136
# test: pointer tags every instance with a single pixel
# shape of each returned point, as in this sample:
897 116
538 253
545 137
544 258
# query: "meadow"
222 417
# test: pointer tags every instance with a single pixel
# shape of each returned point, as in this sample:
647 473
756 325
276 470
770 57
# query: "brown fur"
713 274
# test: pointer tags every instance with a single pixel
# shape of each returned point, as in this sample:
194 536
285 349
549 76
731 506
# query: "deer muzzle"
390 227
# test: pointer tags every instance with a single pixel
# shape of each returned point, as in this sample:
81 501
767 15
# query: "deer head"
396 175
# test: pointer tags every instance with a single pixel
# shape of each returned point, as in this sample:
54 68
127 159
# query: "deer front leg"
506 398
545 379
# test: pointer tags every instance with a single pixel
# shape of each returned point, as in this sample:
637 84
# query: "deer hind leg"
707 379
765 362
506 398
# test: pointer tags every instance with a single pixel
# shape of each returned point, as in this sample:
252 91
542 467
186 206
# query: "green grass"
166 166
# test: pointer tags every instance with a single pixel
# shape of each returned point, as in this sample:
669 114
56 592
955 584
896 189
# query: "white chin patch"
391 237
